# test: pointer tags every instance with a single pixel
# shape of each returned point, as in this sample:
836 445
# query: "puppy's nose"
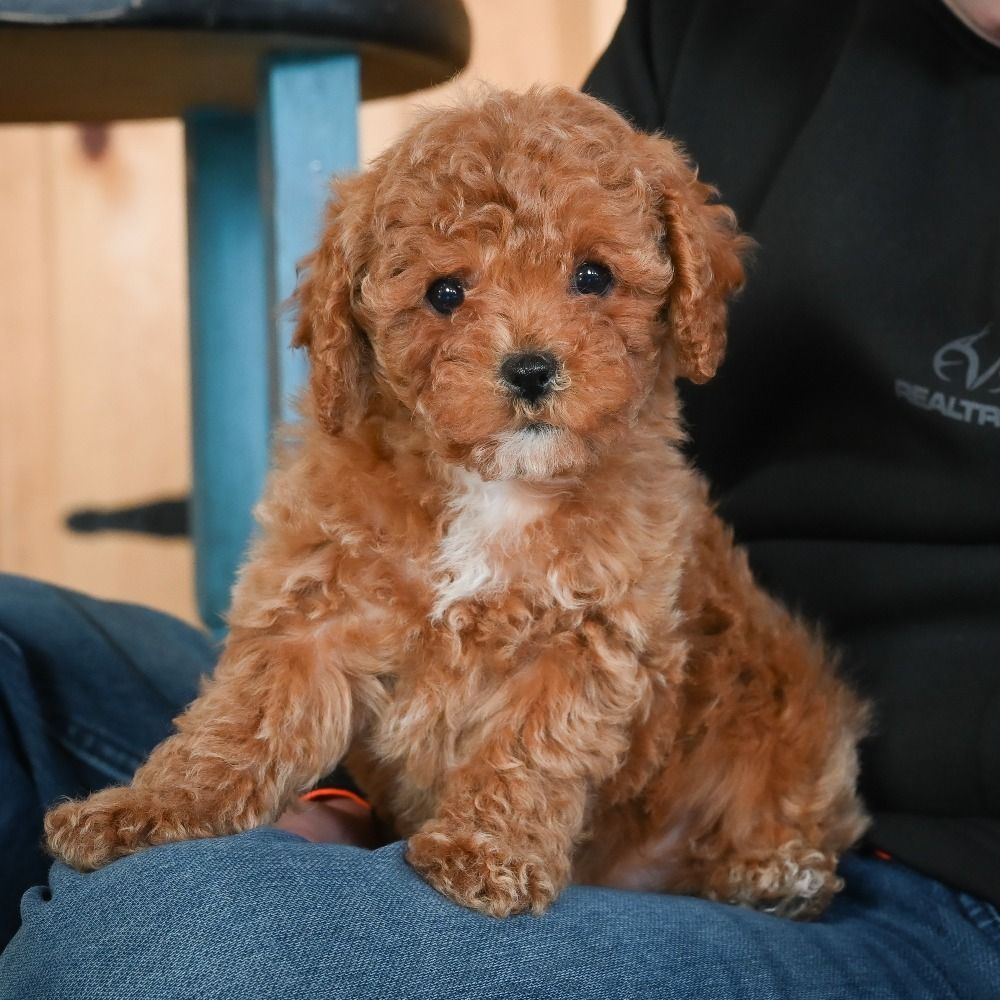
530 376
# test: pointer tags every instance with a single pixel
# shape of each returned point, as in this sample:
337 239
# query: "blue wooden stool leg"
230 332
256 193
309 131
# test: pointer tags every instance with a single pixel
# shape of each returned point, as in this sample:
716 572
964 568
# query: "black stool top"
79 60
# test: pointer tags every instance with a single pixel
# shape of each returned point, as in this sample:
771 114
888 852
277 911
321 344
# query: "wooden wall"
93 352
93 310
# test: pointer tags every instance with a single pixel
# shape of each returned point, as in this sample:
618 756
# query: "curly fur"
523 626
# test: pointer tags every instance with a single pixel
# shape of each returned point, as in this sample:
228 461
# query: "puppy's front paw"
90 833
472 869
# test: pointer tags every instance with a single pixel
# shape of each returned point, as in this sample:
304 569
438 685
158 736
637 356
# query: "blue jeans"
266 914
87 689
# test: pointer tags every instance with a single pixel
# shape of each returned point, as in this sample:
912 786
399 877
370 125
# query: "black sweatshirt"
853 434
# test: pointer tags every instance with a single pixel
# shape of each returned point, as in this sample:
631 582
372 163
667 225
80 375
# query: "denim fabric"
87 689
269 915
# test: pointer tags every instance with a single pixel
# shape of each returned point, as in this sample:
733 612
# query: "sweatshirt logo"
960 356
962 366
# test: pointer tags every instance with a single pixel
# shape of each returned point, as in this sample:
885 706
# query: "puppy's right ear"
340 364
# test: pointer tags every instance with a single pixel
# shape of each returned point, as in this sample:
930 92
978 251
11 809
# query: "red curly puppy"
486 576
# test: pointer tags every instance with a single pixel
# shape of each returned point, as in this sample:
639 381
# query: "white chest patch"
489 517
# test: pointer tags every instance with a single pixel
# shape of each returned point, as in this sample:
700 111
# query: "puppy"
486 576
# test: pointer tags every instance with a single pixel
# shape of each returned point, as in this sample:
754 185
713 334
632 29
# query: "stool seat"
99 60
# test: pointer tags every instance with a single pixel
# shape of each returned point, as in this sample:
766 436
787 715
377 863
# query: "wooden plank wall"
93 310
93 353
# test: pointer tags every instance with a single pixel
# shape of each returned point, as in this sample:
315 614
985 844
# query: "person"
853 434
852 443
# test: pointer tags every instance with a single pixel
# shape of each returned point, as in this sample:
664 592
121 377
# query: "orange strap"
318 794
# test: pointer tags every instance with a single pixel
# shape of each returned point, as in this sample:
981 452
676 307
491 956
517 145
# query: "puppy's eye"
591 278
446 294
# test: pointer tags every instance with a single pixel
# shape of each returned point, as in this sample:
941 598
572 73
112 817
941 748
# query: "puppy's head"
513 273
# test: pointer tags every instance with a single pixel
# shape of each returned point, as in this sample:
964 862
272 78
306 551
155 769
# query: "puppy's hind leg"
776 843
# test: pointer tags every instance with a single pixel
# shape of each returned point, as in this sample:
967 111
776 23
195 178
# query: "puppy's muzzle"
530 376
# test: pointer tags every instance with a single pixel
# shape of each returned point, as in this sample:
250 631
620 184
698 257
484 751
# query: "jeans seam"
98 750
983 914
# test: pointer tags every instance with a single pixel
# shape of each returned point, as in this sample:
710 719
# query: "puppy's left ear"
705 248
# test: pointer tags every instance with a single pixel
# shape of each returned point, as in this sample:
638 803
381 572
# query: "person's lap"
267 914
87 688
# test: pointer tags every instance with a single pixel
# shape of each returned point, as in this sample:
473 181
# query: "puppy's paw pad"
474 871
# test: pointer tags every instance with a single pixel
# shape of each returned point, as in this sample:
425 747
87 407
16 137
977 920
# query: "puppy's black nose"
529 375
